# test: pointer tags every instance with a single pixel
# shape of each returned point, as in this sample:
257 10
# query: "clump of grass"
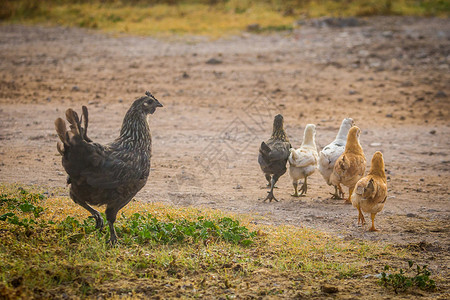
401 281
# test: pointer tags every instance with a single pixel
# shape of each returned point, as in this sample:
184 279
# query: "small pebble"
440 94
213 61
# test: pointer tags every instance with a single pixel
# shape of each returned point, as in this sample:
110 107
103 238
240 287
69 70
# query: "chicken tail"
293 154
264 149
76 132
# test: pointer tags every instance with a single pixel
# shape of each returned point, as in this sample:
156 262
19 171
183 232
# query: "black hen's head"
278 130
147 104
278 122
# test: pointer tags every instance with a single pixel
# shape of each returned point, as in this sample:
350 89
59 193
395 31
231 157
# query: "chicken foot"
304 187
95 214
341 192
349 199
361 217
98 221
270 195
337 195
372 216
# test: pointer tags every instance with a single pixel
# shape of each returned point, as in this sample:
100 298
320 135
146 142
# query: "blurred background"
205 17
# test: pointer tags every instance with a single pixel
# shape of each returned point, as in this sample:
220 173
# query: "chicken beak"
158 104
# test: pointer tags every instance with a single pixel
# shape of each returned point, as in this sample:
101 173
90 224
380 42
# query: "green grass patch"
164 250
402 281
211 18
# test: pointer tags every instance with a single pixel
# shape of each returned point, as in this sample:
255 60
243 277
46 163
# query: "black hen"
273 155
107 174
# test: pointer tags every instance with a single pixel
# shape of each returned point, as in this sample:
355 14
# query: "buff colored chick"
303 161
371 191
351 165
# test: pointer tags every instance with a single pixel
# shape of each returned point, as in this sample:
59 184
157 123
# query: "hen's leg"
373 223
336 194
270 196
295 184
304 187
111 215
95 214
269 179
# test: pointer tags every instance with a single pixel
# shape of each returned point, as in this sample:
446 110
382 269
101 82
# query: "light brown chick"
351 165
371 191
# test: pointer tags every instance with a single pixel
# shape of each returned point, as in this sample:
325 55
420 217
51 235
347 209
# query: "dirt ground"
390 75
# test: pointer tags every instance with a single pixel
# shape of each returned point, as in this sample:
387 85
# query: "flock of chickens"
112 174
340 162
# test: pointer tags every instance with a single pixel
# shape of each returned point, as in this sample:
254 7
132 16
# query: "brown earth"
390 75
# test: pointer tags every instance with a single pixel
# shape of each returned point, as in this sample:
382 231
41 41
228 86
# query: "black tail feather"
86 121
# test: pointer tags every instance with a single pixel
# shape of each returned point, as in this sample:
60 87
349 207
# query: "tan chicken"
371 191
350 166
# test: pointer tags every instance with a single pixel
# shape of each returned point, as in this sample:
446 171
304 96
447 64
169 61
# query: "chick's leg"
361 216
304 187
349 199
295 184
341 192
270 196
372 216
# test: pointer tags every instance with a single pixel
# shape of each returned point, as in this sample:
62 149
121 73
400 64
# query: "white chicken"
303 161
331 152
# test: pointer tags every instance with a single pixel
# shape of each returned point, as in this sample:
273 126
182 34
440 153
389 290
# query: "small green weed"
400 281
25 204
146 228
